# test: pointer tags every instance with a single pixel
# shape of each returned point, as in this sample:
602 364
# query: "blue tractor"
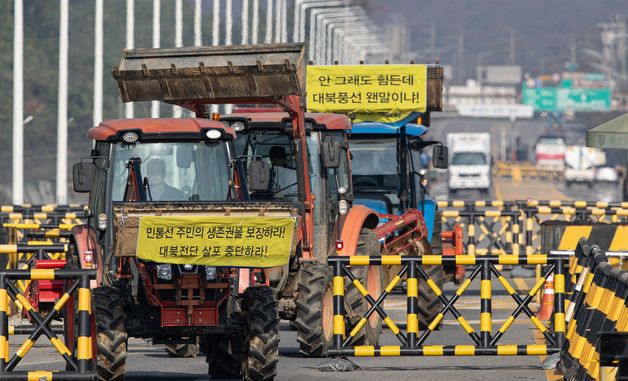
389 169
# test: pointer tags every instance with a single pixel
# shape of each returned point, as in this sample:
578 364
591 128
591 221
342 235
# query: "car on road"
606 174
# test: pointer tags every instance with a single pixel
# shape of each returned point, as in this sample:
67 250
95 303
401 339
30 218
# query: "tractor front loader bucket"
211 74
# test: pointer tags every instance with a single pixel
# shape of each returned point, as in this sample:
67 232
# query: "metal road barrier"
598 305
513 227
524 170
79 361
486 343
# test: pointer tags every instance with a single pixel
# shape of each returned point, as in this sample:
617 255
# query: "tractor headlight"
422 172
210 273
164 272
188 267
238 126
130 137
213 134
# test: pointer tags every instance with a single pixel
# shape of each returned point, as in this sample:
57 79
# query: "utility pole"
512 51
98 62
432 42
245 22
621 43
178 42
255 22
154 105
216 23
62 107
18 103
229 22
198 17
130 34
215 35
460 60
269 22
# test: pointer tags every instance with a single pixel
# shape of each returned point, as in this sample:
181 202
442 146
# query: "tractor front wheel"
262 333
110 333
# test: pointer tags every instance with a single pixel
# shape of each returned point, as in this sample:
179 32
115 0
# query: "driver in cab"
159 190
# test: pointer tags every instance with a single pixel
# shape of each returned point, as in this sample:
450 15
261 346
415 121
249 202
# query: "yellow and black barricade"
79 362
600 305
486 343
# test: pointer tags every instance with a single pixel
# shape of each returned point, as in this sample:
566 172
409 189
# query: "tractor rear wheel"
314 322
371 277
429 304
111 336
315 302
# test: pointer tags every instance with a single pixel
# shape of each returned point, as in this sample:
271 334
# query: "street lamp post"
332 7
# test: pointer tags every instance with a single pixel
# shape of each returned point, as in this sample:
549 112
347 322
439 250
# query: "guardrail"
513 227
486 343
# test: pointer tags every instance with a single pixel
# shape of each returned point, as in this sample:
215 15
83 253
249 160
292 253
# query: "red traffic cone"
547 302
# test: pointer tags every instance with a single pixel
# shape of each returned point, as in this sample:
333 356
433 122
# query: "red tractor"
312 151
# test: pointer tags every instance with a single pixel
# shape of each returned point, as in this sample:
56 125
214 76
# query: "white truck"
469 161
581 163
550 153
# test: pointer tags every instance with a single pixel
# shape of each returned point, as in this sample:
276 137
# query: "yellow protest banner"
216 241
377 93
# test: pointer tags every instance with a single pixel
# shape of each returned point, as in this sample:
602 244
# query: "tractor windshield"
374 163
152 171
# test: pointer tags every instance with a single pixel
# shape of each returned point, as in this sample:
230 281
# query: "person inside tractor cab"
159 190
283 177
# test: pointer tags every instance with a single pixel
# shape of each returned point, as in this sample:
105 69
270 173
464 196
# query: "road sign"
382 93
542 99
562 99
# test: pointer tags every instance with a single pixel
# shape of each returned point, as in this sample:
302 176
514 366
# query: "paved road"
148 362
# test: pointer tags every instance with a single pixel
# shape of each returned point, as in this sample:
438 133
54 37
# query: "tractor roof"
323 121
175 128
374 128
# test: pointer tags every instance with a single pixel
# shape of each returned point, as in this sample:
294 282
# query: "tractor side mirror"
259 176
83 174
330 154
440 156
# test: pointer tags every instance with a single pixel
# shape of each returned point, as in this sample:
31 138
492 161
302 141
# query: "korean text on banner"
378 93
216 241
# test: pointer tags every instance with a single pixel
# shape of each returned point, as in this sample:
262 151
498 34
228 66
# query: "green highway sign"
561 99
584 99
542 99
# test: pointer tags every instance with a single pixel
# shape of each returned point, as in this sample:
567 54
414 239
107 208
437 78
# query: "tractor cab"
389 168
267 138
156 161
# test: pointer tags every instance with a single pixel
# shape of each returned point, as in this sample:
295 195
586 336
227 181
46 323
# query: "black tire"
314 289
367 245
254 353
225 356
110 334
262 323
314 285
182 350
429 304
